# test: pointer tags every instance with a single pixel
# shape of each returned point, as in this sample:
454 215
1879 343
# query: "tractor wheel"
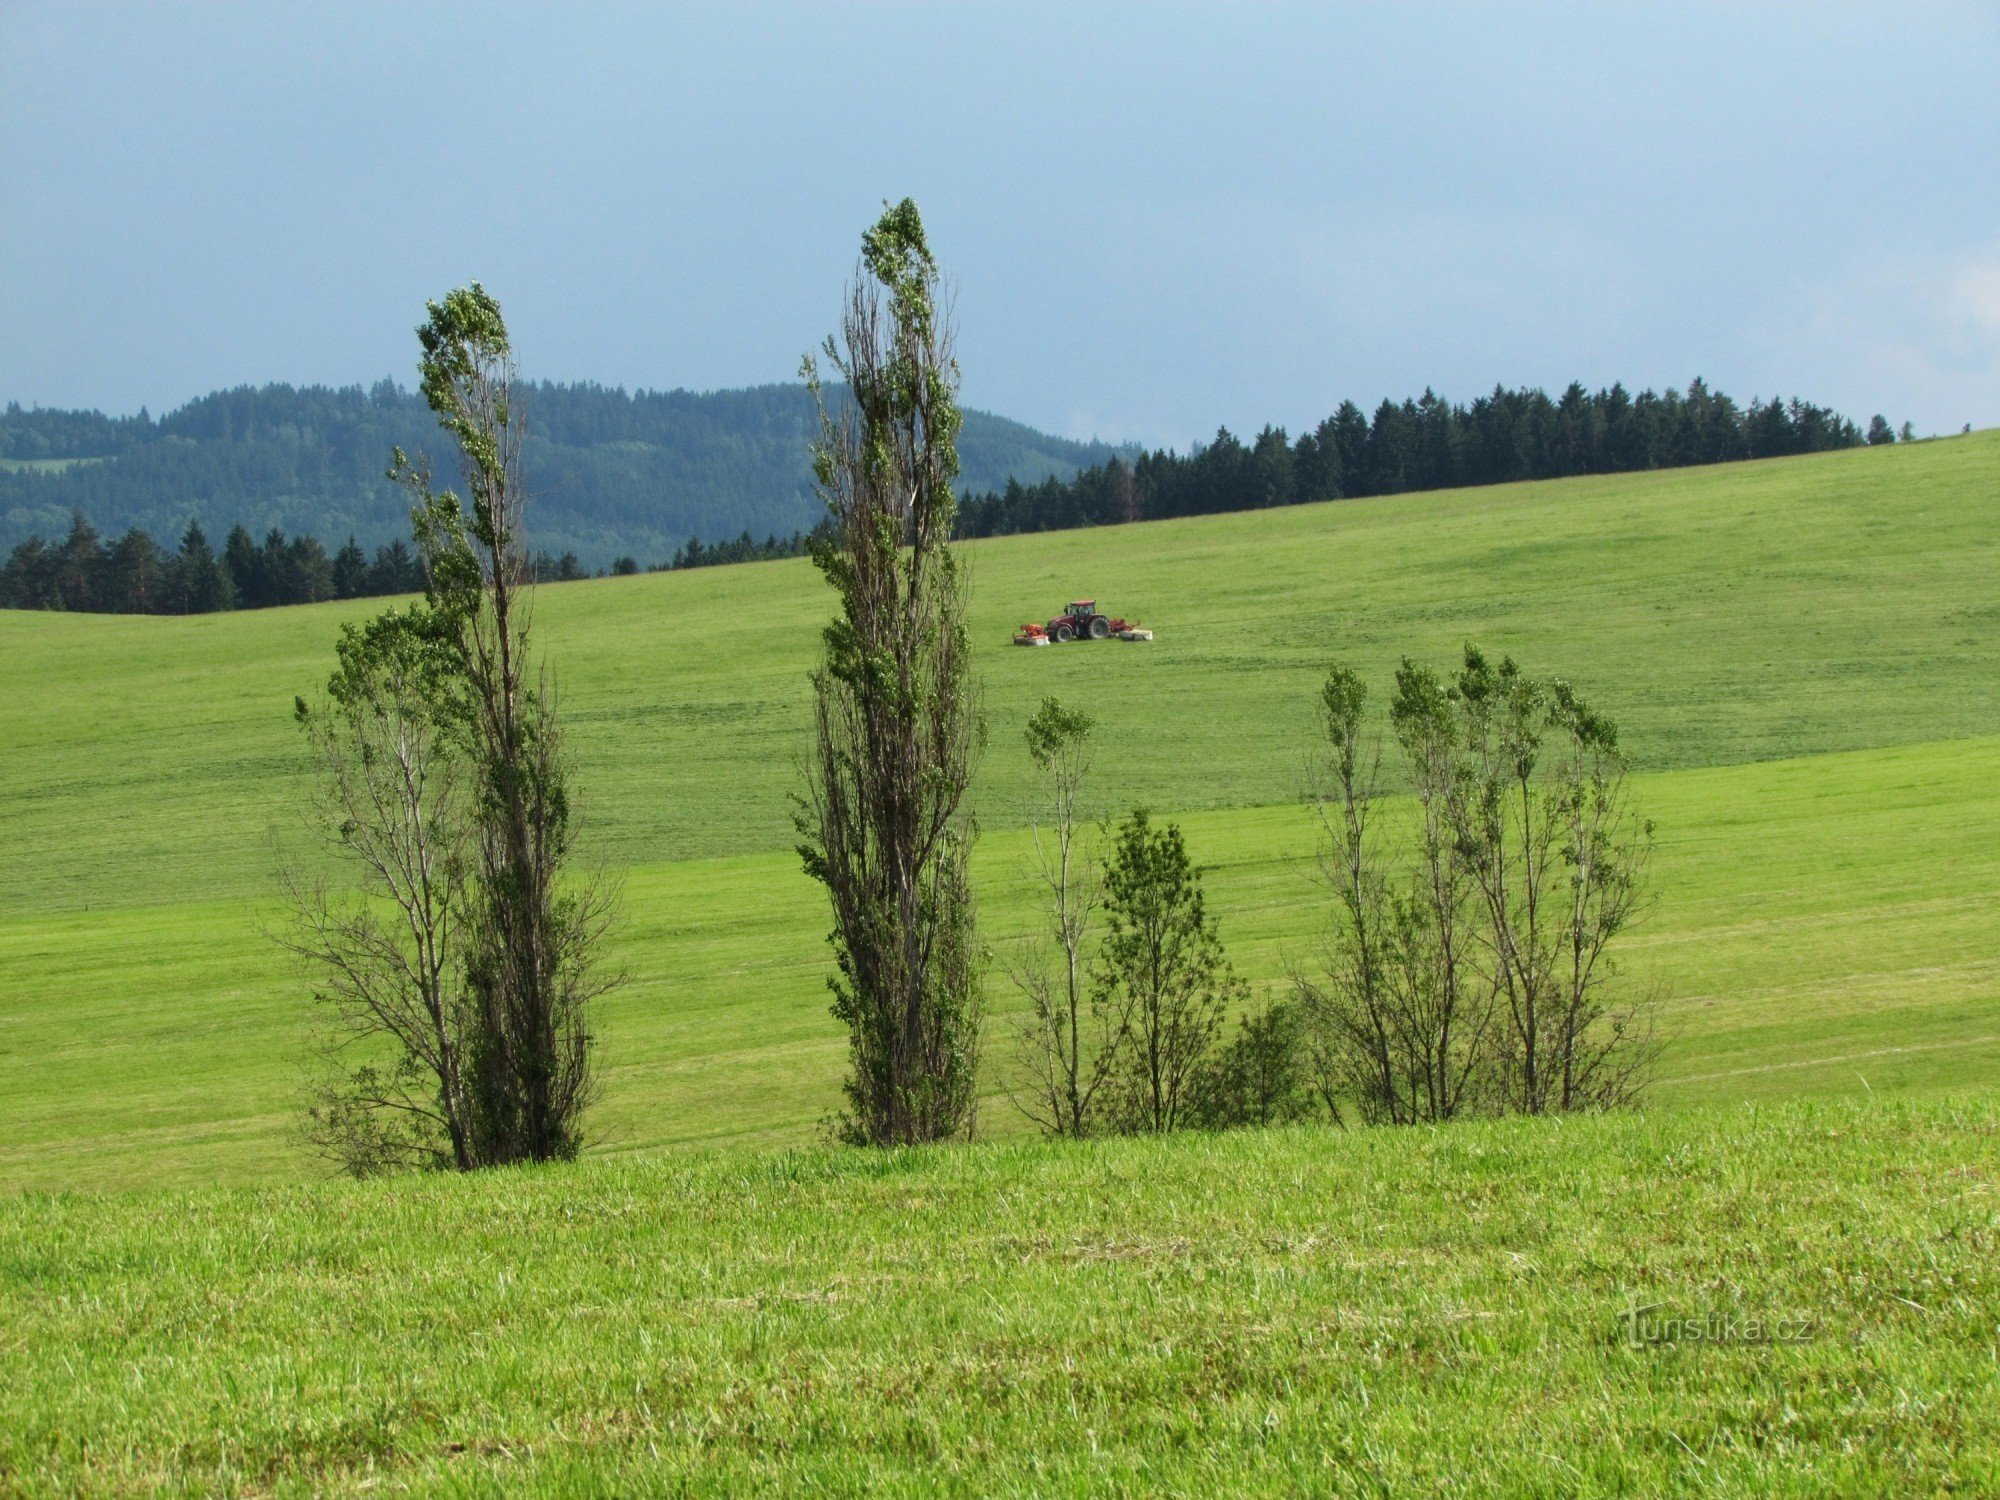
1065 634
1100 628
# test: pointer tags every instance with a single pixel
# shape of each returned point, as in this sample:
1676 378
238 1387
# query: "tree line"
1466 959
134 575
686 478
1425 443
1421 444
741 549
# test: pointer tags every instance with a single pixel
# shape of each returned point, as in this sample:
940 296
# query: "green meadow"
1794 1299
1824 926
1803 655
1777 1278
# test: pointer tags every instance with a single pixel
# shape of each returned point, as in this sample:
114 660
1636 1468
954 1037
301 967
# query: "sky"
1156 219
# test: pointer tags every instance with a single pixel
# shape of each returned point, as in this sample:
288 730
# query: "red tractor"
1081 621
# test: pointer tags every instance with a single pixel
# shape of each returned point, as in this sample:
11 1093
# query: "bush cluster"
1467 964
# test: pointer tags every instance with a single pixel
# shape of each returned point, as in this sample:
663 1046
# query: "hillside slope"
1804 656
1782 1301
1742 612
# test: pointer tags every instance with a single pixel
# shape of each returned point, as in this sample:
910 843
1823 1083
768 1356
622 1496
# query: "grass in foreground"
1438 1311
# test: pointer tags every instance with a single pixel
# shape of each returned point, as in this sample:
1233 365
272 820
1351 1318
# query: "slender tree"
399 1026
532 953
1069 1038
1433 974
1380 1026
1350 1030
883 821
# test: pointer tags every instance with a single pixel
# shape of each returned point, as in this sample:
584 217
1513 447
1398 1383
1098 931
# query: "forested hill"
612 472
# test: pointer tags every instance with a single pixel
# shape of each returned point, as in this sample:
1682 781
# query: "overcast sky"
1158 219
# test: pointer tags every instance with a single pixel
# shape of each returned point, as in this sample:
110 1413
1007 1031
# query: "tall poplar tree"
531 954
883 821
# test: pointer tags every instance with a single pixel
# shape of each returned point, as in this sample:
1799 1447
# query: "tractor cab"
1081 609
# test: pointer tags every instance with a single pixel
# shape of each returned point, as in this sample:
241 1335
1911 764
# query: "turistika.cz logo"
1641 1327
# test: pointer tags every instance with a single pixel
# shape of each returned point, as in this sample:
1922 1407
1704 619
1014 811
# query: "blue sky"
1157 218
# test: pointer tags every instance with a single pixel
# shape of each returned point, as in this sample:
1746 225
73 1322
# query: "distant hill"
611 471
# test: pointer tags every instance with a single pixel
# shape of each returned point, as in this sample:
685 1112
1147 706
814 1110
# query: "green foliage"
1162 969
1057 737
1260 1076
407 646
464 342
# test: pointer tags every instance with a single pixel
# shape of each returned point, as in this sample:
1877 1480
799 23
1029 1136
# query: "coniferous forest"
1424 444
627 482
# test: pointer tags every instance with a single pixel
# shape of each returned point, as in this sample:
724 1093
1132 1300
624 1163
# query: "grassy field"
1805 659
1825 925
1747 612
1395 1313
1804 656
